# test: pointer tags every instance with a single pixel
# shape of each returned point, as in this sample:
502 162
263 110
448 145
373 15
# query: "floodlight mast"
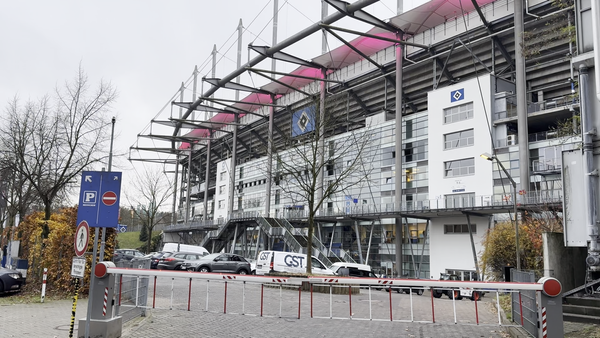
491 158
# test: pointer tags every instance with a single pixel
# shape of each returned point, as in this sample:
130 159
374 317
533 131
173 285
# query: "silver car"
176 260
220 262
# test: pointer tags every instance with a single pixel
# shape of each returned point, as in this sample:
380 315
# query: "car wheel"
455 294
475 296
204 269
436 293
243 272
419 292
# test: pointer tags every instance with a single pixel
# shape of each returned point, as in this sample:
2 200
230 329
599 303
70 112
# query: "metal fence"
524 303
132 291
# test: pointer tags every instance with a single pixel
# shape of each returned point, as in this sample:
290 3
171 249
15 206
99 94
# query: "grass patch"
505 305
131 240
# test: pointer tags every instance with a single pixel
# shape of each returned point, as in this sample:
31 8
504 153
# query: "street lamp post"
491 158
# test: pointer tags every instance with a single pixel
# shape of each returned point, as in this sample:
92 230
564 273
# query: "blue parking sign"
99 199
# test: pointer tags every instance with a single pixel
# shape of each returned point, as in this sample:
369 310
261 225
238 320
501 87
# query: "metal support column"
523 133
398 150
207 176
591 174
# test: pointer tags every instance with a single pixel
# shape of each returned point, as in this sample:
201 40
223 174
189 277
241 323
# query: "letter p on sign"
89 197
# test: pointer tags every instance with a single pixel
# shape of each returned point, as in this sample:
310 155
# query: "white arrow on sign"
88 178
116 178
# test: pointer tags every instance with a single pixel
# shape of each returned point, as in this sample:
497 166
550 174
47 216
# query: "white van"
176 247
353 269
280 261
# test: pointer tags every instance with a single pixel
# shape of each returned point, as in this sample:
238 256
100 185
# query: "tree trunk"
309 244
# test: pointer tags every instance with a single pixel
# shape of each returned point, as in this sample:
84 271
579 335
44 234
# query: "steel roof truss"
282 56
383 38
356 50
257 70
235 86
283 84
361 15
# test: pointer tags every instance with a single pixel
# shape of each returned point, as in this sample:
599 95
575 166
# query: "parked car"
155 258
354 270
175 260
457 294
126 254
221 262
11 280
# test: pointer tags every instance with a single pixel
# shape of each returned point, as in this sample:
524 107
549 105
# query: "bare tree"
320 167
49 143
150 192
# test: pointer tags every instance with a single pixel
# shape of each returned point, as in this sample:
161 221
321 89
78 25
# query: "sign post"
98 208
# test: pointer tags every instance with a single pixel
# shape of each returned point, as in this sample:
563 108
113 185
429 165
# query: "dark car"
126 254
155 258
175 260
221 262
10 280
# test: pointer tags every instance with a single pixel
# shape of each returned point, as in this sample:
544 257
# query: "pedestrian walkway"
52 319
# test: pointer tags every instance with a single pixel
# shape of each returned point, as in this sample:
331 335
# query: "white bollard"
44 284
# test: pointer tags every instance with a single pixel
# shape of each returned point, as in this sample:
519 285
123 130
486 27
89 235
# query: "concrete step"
583 301
568 317
581 310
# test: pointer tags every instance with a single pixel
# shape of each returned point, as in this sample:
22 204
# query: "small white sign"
78 267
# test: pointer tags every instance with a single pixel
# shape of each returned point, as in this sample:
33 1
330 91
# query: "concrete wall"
563 263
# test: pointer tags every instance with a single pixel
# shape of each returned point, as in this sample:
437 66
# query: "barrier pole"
330 302
299 299
390 292
454 304
207 282
225 300
432 308
498 307
154 294
190 294
73 309
244 298
521 308
350 299
370 307
476 312
171 304
412 317
262 293
137 290
44 284
120 288
280 299
311 300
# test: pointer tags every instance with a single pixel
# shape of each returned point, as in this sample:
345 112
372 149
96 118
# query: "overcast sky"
145 48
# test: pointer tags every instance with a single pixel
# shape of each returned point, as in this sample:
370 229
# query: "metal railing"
250 295
524 303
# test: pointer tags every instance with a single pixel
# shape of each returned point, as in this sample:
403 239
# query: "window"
414 151
222 189
459 228
277 197
458 113
459 139
221 204
241 172
222 176
462 167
